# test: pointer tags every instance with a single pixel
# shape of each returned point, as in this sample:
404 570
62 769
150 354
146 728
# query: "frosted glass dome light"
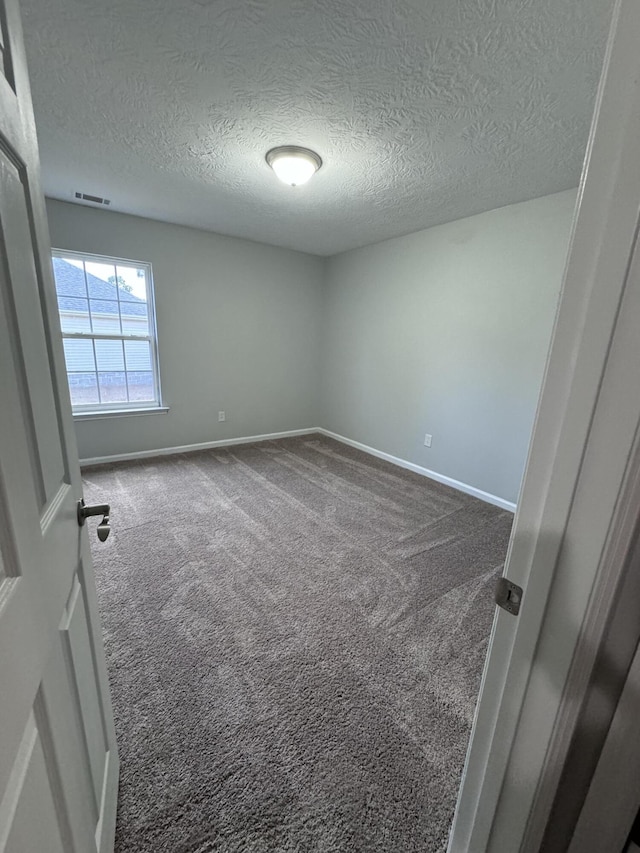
293 165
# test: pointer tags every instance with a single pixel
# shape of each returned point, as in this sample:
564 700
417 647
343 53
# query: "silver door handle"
85 512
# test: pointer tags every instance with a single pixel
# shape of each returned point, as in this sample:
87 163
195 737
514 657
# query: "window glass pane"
74 314
105 316
100 302
113 387
83 388
138 355
133 283
69 277
79 355
109 355
141 386
135 320
101 280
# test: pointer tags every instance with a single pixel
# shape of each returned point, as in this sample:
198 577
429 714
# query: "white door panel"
29 336
29 815
58 757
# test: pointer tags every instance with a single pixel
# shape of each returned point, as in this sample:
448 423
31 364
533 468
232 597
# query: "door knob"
85 512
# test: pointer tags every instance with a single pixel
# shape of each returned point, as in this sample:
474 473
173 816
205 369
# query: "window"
108 330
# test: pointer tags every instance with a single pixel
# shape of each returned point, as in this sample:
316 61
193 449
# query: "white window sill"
119 413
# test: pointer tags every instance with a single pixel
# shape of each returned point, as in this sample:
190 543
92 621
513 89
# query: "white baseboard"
189 448
425 472
250 439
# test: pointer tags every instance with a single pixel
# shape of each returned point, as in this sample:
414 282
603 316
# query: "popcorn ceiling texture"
423 111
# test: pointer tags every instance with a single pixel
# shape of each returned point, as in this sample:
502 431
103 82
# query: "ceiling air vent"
95 199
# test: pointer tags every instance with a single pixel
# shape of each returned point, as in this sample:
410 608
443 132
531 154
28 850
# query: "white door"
539 663
58 757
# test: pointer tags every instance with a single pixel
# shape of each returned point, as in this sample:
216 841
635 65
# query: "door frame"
564 547
611 805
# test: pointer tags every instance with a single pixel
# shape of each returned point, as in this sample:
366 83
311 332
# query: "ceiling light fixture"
292 164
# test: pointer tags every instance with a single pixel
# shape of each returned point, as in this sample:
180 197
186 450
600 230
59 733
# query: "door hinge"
509 596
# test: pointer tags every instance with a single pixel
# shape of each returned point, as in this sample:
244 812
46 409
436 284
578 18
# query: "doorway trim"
523 722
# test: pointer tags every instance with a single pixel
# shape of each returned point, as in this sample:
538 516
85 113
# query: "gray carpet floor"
295 633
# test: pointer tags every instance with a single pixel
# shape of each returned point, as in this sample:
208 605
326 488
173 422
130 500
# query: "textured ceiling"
423 111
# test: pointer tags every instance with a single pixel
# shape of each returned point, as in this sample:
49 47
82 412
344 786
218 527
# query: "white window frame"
111 408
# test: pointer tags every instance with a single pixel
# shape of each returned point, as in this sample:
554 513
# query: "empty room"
296 270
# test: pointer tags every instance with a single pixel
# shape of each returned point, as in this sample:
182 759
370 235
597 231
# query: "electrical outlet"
221 417
427 440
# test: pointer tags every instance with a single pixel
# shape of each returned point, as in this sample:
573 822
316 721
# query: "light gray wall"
238 330
445 332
